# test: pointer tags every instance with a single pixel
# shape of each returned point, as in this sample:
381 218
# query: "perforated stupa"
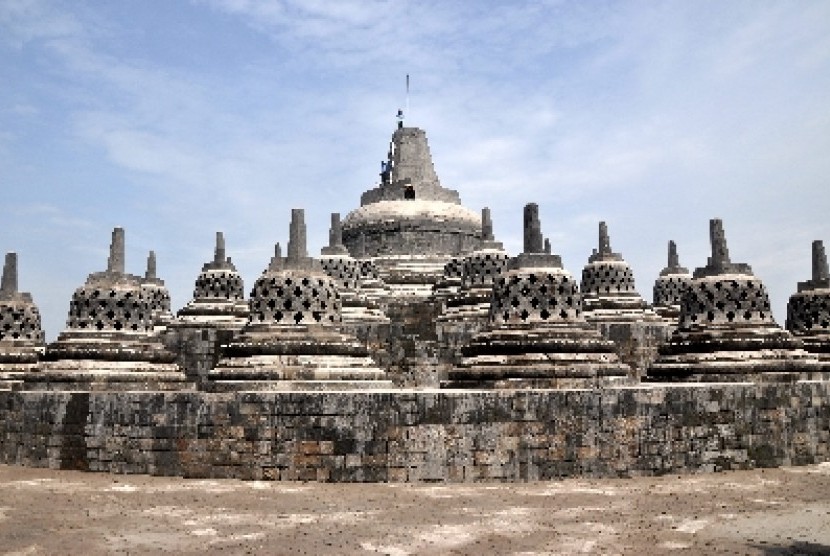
537 335
726 330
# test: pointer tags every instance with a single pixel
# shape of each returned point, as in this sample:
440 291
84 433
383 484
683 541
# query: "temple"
415 347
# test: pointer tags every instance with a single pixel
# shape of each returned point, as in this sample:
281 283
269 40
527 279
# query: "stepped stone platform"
726 330
292 340
537 336
22 340
109 343
448 436
808 310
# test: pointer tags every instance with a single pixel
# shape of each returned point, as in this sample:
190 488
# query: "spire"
674 260
297 236
219 251
673 266
8 285
604 252
604 239
719 262
820 270
151 267
486 225
532 229
717 237
115 262
335 246
547 246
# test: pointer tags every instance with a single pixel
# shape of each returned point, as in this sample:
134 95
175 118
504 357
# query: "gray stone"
726 331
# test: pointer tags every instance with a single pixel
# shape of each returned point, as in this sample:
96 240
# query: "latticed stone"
724 299
219 284
536 295
20 321
669 289
290 297
483 268
110 306
726 331
345 271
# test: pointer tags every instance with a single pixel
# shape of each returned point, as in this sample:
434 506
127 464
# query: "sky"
176 119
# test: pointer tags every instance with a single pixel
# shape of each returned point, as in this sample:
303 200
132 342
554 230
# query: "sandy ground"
771 512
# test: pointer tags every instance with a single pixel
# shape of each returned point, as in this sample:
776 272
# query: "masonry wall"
421 436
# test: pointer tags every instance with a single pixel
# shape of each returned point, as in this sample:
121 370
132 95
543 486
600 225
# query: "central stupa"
409 224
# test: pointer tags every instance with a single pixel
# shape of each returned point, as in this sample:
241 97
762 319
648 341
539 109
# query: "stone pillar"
604 239
717 237
297 236
151 266
547 247
486 225
115 263
532 229
278 250
219 250
674 260
820 270
336 231
8 285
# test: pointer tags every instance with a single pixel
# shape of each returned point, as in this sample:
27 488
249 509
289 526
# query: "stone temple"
416 348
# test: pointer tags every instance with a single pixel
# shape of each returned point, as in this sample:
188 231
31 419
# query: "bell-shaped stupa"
109 342
219 295
670 287
467 310
21 334
347 274
292 340
409 224
537 335
808 310
726 331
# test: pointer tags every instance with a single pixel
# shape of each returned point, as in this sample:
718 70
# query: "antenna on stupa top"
401 113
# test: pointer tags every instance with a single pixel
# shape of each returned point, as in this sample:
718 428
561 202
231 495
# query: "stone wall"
421 435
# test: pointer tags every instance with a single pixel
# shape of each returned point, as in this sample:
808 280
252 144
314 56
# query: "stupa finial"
717 237
219 251
533 242
115 262
297 236
486 225
604 239
674 260
151 266
8 285
820 270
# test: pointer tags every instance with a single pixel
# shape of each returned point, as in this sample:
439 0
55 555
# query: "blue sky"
176 119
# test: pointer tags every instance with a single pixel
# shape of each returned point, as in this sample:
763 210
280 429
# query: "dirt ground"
769 512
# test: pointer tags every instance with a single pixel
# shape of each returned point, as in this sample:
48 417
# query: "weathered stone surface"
21 333
109 341
537 335
217 311
292 339
612 304
808 310
417 436
670 287
157 294
726 331
410 225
